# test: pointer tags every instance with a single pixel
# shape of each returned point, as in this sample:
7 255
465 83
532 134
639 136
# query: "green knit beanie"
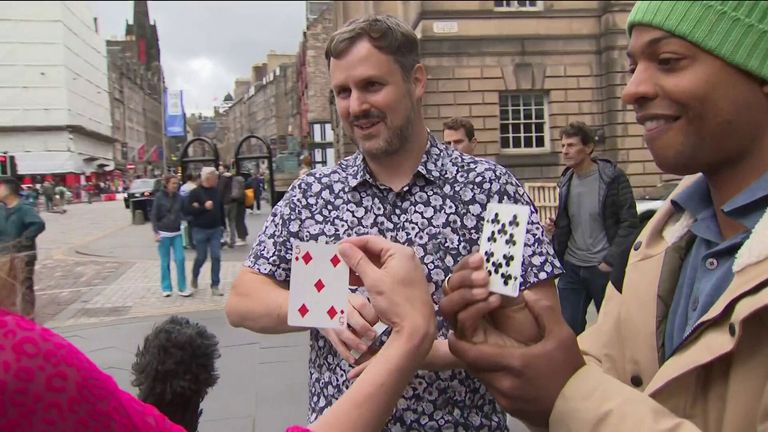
735 31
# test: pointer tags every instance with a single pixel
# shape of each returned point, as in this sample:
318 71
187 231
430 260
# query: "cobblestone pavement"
94 266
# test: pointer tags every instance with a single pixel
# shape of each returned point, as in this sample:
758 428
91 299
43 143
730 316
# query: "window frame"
539 6
547 132
327 134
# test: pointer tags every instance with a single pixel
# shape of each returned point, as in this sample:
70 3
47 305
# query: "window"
517 5
523 122
322 132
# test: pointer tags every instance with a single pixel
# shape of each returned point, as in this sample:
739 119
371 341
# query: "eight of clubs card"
501 244
319 287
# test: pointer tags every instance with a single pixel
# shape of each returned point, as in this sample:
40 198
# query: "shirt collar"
429 167
746 207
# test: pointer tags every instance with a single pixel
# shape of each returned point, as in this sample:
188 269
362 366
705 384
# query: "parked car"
140 196
653 199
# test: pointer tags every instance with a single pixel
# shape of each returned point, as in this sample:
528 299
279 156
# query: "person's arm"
33 226
400 295
628 222
259 303
154 215
194 198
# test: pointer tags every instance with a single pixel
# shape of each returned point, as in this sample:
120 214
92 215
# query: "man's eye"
667 61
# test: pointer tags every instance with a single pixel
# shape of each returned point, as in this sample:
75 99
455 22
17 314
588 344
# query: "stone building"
520 70
314 84
54 98
136 85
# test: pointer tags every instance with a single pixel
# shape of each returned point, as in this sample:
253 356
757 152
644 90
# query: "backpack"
238 188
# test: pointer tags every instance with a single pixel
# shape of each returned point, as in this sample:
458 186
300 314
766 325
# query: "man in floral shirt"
404 185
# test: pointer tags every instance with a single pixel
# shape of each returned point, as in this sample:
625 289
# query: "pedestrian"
48 195
19 227
225 192
306 165
206 209
405 185
166 224
256 183
682 347
595 226
236 218
60 199
459 133
191 183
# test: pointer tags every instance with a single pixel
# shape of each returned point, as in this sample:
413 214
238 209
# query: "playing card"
501 244
319 287
380 328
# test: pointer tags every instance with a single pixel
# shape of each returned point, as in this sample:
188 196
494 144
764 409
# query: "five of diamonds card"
319 287
502 243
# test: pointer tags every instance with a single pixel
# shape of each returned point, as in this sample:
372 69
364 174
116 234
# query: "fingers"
452 305
360 317
546 314
358 370
472 261
483 357
468 320
341 347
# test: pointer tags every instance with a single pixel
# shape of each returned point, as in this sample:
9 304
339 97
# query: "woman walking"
166 224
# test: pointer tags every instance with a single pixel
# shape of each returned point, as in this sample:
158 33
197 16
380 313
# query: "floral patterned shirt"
440 214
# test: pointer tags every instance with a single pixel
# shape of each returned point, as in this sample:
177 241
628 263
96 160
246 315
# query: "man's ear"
419 80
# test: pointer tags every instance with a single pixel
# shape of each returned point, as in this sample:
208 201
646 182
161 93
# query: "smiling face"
699 113
376 104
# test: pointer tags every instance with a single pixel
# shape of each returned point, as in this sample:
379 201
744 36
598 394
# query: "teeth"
655 123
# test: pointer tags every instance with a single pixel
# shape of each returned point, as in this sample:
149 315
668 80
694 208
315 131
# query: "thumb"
547 316
357 261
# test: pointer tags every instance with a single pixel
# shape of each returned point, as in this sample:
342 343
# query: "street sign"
130 166
8 165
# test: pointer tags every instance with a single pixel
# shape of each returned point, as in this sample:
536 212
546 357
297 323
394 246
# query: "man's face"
574 152
458 140
211 180
699 113
376 105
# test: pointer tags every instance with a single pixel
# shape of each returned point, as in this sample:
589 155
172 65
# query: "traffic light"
7 165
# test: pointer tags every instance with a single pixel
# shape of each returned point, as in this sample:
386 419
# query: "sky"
205 45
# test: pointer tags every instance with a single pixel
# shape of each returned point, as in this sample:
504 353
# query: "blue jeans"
204 240
164 247
577 287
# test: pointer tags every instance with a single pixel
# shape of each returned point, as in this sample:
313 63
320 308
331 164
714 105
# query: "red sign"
130 166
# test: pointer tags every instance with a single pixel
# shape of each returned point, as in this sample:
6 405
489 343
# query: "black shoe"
194 283
215 291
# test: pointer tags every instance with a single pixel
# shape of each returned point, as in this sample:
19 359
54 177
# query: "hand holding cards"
319 287
501 245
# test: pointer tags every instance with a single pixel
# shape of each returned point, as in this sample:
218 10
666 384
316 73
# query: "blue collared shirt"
440 214
708 268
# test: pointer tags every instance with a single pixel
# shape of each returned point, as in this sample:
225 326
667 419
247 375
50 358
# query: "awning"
52 162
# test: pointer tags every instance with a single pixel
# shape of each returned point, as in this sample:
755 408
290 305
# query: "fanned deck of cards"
319 287
501 244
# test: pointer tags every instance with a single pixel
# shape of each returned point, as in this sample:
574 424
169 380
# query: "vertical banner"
175 123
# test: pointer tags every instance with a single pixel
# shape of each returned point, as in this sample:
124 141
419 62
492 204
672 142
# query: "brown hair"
580 130
307 161
458 123
167 179
385 32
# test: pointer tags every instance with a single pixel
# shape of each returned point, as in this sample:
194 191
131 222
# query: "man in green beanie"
684 347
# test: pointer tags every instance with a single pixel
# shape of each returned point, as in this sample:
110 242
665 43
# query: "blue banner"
175 119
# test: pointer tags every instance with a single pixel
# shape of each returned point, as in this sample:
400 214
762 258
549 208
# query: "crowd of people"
679 341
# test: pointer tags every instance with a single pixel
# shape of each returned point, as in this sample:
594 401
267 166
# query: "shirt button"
695 304
732 329
636 381
711 263
637 246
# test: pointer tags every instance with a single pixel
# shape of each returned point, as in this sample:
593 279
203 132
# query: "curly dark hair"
175 368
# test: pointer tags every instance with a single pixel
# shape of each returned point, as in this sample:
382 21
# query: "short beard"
395 141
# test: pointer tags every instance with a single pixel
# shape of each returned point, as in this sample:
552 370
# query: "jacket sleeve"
193 197
33 226
594 401
628 223
154 215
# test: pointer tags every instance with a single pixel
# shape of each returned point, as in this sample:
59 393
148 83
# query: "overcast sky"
204 46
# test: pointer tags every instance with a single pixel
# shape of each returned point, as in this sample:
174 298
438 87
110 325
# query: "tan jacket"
717 380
